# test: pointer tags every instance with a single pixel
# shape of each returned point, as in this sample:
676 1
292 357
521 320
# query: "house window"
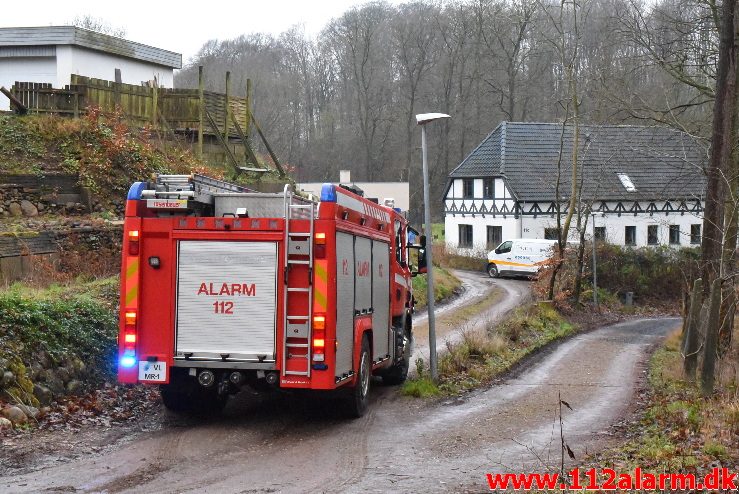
488 188
674 234
695 234
465 236
652 235
630 235
468 188
495 236
551 233
600 233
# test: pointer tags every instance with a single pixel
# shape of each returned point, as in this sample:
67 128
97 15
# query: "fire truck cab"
223 286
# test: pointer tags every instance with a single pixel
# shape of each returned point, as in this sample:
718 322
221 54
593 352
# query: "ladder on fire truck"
298 252
196 187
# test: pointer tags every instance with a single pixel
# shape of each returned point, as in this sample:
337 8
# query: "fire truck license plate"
153 371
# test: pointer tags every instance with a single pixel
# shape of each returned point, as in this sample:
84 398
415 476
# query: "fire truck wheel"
493 270
398 373
358 399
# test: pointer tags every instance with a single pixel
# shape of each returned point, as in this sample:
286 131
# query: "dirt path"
285 443
505 294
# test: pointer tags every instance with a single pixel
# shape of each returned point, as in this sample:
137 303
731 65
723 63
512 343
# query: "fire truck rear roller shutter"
245 329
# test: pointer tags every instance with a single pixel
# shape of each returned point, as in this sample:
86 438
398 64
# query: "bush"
63 321
652 274
453 259
104 150
109 155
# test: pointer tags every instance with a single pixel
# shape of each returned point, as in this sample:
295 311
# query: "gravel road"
286 443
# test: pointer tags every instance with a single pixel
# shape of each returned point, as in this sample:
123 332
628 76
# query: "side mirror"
422 255
421 246
497 251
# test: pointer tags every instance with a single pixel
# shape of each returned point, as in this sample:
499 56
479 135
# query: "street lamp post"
595 265
422 119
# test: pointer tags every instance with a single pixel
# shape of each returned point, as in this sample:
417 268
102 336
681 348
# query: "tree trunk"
731 217
709 350
565 230
580 264
691 333
721 148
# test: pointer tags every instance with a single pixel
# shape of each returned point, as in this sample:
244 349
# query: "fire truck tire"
358 399
398 373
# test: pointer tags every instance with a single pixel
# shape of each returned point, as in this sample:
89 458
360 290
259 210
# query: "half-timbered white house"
645 186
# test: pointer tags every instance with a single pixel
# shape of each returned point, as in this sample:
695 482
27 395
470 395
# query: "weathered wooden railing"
177 109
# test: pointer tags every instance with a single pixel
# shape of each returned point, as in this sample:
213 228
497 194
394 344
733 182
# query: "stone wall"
30 196
20 252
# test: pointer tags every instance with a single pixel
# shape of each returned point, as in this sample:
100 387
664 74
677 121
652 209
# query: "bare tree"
98 25
566 23
505 30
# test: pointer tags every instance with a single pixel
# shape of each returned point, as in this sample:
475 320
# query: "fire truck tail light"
320 250
130 338
130 318
319 322
133 243
319 337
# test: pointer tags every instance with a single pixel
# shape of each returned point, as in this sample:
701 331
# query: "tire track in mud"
279 443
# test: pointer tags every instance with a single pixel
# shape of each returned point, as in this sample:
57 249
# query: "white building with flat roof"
395 193
52 54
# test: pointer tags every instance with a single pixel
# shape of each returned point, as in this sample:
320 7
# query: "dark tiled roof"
662 163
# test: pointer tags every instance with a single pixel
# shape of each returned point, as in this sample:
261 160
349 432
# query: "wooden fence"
185 111
174 109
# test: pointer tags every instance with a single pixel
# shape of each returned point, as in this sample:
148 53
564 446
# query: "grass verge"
483 354
680 430
445 285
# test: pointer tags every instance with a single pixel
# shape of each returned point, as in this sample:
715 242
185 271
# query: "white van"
519 257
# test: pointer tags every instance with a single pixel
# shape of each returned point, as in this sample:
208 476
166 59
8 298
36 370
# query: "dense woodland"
347 97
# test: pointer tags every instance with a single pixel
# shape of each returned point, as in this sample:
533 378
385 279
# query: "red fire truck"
223 286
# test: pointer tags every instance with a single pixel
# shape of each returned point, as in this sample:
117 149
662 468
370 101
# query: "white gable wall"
511 226
36 69
90 63
69 59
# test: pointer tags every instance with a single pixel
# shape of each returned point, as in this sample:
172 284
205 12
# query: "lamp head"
424 118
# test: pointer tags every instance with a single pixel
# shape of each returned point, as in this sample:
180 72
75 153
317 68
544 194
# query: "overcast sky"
180 26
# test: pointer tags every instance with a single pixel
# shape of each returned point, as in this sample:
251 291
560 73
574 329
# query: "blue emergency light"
328 193
134 193
128 359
